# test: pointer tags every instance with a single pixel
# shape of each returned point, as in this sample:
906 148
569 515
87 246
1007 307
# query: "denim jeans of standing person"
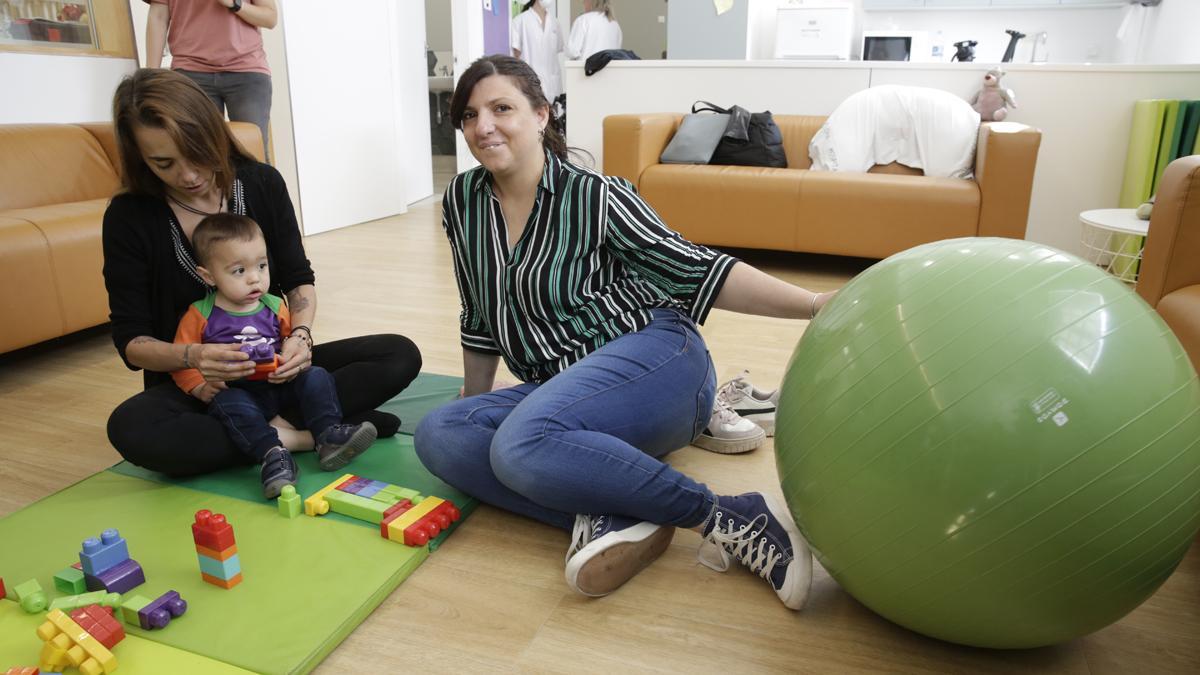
245 96
590 440
246 408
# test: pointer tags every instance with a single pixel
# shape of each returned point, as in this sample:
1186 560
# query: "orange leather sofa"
871 215
55 182
1169 277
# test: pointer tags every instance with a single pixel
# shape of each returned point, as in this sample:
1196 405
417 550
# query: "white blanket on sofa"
923 128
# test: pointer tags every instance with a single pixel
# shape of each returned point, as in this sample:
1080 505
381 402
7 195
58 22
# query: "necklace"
192 209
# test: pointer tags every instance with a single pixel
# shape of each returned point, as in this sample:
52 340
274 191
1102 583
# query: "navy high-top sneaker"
757 531
607 551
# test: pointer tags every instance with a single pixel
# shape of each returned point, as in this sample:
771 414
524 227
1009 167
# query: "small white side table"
1113 239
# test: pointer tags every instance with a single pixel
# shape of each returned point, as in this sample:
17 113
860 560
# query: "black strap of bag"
750 139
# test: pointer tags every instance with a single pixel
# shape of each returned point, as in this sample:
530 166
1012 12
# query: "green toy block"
70 603
394 493
289 502
31 596
130 608
355 506
70 581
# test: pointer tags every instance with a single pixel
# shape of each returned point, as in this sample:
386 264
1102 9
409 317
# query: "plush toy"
992 101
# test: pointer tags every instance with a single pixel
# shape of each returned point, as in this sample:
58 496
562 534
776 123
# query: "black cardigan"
149 289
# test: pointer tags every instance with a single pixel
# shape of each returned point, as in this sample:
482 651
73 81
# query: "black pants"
166 430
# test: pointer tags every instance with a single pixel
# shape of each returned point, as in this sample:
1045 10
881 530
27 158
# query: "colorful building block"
316 505
3 593
120 578
70 581
70 603
221 569
212 531
223 583
151 614
417 525
289 502
22 671
356 506
99 623
100 554
217 555
30 596
68 644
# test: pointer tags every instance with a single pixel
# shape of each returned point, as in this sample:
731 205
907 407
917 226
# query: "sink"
441 83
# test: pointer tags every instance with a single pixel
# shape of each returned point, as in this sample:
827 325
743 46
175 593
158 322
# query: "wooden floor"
493 597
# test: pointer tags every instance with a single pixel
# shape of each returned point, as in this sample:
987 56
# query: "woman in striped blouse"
593 302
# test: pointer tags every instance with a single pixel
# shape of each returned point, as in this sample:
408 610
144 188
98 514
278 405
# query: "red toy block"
394 511
3 593
99 622
21 671
211 531
346 483
223 583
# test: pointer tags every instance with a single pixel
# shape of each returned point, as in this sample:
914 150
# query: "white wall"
1084 112
1167 33
695 31
410 86
1076 35
348 104
54 89
437 25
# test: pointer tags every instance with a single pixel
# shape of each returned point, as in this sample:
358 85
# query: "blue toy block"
354 486
371 489
226 569
100 554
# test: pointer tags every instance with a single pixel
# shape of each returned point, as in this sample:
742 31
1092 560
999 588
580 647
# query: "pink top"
206 37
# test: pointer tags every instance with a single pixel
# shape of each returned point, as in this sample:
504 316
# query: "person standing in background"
594 31
217 44
536 40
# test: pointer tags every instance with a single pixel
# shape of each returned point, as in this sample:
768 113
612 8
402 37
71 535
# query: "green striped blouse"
594 259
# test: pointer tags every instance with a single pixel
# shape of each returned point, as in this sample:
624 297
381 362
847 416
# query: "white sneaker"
750 402
729 434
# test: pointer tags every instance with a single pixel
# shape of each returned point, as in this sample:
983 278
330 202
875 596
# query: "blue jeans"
246 407
589 440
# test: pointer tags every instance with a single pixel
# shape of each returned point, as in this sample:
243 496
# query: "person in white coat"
536 40
594 31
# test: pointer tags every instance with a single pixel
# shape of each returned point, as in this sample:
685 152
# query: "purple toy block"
159 613
371 489
356 486
263 352
100 554
118 579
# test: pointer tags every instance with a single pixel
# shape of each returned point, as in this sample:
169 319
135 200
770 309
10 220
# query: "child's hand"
219 363
205 392
293 358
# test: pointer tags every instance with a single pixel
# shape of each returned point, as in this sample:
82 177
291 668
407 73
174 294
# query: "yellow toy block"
65 638
316 504
396 527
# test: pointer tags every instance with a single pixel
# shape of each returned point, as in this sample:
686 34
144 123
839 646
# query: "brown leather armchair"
1169 278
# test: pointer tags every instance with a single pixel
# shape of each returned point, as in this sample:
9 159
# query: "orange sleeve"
285 322
190 331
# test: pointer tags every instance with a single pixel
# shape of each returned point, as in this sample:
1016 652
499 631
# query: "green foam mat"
391 460
308 582
425 393
19 644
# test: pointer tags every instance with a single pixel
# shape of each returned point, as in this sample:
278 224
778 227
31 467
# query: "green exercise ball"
992 442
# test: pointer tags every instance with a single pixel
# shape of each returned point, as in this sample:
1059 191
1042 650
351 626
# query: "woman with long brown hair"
180 163
593 302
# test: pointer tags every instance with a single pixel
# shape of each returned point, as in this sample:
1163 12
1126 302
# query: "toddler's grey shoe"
340 443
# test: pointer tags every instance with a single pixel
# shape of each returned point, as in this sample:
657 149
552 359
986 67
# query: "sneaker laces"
739 543
585 529
735 389
723 414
